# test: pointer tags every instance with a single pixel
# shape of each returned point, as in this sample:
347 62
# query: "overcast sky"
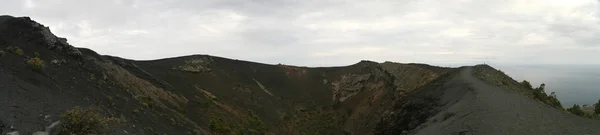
329 32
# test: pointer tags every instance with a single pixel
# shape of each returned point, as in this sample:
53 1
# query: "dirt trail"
486 109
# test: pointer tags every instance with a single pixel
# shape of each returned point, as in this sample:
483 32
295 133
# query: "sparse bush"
36 54
252 126
15 50
256 126
36 63
19 52
527 84
217 126
576 109
539 94
2 53
79 121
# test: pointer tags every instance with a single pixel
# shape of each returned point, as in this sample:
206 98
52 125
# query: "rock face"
349 85
24 27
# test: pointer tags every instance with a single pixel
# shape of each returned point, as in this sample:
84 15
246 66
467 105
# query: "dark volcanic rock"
25 27
2 126
156 97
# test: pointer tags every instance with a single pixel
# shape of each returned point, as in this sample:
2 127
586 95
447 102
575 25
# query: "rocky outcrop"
25 27
349 85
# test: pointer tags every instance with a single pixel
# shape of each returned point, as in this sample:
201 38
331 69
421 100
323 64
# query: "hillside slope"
461 103
196 94
202 94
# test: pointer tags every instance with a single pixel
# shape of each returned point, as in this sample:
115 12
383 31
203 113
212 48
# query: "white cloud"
349 51
28 4
329 32
456 32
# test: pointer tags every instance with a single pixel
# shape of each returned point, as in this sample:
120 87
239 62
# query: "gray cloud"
329 32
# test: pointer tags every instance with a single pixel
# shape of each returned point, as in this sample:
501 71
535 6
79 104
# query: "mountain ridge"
186 93
203 94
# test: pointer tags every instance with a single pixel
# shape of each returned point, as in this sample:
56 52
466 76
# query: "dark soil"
181 95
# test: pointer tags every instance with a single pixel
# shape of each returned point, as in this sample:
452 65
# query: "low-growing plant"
36 63
36 54
2 53
79 121
18 51
15 50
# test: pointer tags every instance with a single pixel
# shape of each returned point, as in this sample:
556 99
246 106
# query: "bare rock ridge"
22 27
201 94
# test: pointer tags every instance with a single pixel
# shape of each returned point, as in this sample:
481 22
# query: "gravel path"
486 109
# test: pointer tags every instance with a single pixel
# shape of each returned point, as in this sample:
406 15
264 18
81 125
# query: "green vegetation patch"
36 63
576 109
15 50
251 126
79 121
499 78
313 121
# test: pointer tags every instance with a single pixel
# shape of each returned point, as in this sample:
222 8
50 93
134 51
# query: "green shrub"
217 126
79 121
539 94
576 109
36 63
36 54
15 50
255 125
18 51
2 53
527 84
